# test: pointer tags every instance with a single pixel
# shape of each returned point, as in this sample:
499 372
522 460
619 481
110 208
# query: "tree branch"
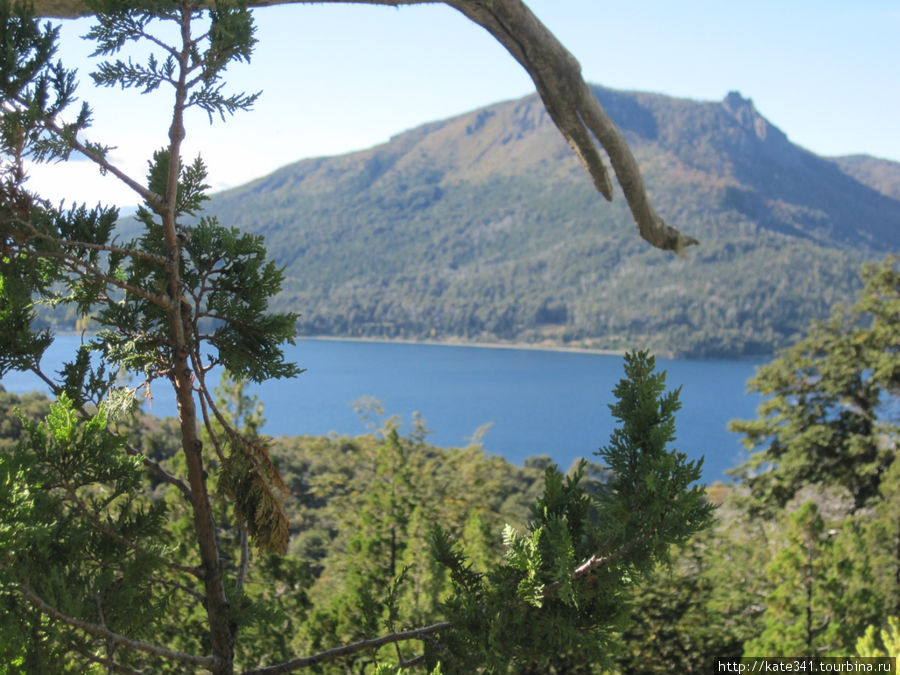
82 268
599 560
107 248
338 652
152 199
574 108
558 79
100 631
207 402
110 664
35 233
199 597
73 9
157 468
241 575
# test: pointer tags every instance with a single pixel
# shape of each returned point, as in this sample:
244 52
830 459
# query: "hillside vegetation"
484 227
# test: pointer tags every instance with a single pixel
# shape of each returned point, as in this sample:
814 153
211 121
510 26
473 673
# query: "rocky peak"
746 114
736 104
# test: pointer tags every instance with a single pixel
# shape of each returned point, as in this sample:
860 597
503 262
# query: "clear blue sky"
337 78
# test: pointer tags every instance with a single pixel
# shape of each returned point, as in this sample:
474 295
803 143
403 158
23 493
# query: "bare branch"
162 45
346 650
157 469
56 389
416 660
207 402
574 108
72 9
100 631
600 560
241 576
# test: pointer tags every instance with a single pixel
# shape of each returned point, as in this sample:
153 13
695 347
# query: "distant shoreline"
523 346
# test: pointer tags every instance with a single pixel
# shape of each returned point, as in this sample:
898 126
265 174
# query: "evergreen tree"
871 540
579 553
153 299
814 608
831 412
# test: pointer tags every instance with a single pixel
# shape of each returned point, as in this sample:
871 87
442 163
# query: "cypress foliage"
558 597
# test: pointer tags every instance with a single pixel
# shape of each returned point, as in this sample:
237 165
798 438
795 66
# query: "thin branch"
130 252
80 267
241 576
409 663
55 388
194 81
181 587
596 561
599 560
108 248
399 651
153 200
109 663
207 402
346 650
100 631
157 468
159 43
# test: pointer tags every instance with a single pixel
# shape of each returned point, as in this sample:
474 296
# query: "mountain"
485 227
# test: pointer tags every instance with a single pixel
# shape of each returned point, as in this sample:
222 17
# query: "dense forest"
134 544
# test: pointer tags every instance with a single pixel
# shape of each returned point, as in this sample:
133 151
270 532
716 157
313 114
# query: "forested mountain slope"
881 174
484 227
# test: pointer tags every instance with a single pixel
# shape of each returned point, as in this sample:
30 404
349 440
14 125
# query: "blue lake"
537 402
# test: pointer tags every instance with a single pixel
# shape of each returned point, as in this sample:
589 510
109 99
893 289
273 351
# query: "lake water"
537 402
